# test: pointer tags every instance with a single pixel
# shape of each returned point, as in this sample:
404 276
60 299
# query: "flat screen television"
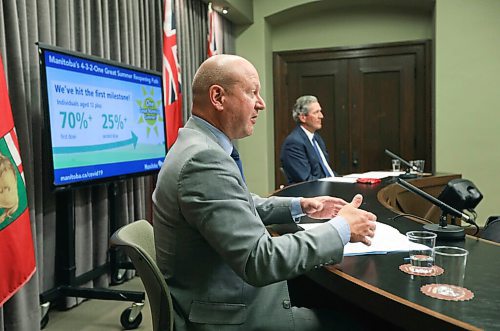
103 119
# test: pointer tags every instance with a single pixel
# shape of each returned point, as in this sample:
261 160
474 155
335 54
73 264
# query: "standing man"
224 270
303 153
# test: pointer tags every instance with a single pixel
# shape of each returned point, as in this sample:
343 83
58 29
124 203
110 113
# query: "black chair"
491 230
284 176
137 240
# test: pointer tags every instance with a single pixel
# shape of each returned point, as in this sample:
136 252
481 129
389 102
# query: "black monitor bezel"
47 157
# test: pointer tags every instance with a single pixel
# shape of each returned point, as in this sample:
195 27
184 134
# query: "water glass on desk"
453 261
396 165
421 251
419 164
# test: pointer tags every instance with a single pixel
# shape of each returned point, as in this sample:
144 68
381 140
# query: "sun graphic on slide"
150 111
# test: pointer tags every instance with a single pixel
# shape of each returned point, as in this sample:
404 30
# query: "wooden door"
327 80
373 98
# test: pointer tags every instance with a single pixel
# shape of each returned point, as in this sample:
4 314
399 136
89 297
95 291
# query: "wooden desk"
375 283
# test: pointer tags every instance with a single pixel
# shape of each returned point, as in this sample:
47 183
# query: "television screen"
104 119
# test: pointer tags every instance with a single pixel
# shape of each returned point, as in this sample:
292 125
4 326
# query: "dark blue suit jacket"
299 159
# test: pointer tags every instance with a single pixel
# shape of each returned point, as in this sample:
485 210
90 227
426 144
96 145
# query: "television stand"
69 283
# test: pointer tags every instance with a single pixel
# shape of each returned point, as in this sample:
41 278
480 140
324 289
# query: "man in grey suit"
224 270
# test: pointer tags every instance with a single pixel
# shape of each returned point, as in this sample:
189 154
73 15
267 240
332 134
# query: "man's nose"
260 105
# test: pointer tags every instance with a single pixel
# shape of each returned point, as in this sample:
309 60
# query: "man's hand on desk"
322 207
361 222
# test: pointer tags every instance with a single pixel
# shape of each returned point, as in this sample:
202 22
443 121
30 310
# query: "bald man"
224 270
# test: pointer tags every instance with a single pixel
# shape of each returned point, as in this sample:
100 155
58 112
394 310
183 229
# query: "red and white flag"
213 42
171 75
17 256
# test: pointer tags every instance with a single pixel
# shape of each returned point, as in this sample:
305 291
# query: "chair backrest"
137 241
491 230
284 178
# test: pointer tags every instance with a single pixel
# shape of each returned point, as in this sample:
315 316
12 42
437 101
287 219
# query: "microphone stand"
407 174
443 230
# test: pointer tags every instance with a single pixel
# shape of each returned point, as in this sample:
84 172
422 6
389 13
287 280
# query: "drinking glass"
453 261
420 166
396 165
421 251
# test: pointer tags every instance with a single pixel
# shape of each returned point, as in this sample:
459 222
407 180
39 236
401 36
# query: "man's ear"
302 118
216 94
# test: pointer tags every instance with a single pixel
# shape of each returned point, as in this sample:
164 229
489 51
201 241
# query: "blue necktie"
323 166
236 157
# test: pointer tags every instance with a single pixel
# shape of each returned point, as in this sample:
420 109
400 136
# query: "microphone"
443 230
408 165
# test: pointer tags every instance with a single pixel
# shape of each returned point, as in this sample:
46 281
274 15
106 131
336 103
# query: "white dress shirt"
310 136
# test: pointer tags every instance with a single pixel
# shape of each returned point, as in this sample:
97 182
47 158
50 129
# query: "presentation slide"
105 120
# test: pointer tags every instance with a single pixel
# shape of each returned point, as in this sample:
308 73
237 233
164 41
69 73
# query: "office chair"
137 241
491 230
285 177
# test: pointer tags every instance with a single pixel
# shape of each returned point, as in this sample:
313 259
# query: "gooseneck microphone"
443 230
407 174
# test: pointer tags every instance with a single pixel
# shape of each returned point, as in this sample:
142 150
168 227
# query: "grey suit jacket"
224 270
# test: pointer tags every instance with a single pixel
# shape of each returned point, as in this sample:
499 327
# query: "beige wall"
468 95
467 50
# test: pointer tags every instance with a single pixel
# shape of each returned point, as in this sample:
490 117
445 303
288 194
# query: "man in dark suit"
303 153
224 270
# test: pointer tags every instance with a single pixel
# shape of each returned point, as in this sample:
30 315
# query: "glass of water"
453 260
396 165
420 165
421 251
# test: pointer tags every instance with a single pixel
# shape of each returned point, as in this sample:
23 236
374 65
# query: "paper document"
375 174
339 179
387 239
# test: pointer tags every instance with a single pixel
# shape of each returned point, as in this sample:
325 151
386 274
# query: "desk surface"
375 282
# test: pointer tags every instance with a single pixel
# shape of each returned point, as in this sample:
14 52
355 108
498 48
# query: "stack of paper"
353 177
339 179
375 174
387 239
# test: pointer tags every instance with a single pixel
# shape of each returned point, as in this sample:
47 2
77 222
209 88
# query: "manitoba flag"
171 75
17 257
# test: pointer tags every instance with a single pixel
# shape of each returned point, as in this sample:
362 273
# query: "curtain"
192 39
125 31
128 31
